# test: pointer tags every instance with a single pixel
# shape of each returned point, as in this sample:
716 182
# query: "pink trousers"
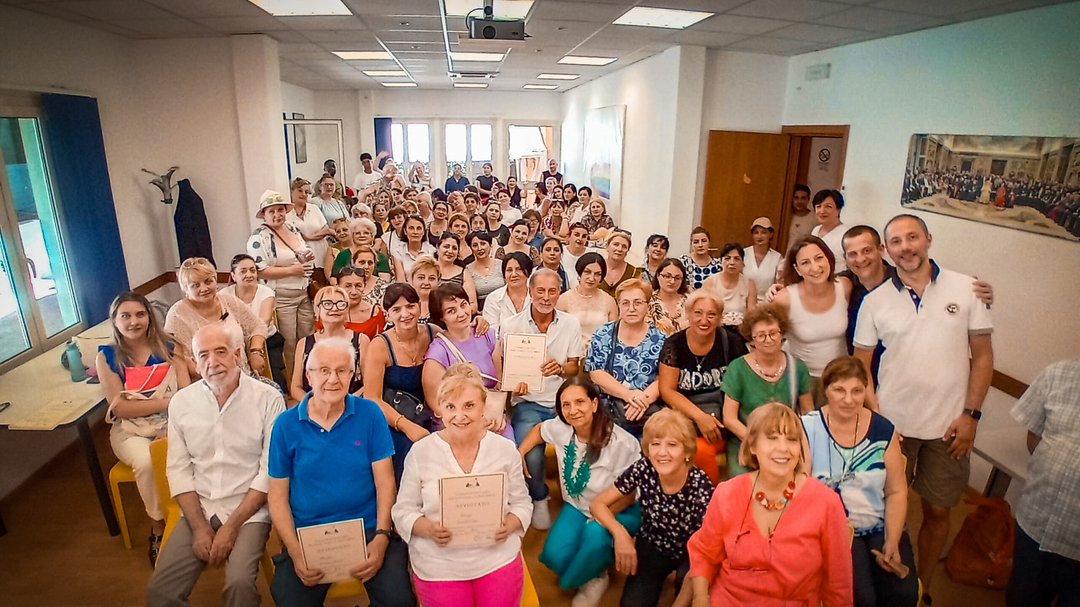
500 588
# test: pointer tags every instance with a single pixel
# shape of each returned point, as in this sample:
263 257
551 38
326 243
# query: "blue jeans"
580 549
526 416
1038 577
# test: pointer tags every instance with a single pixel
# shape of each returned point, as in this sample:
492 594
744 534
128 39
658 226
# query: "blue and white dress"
857 474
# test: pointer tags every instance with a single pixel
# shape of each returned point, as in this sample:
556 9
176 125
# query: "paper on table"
523 357
50 415
472 507
334 548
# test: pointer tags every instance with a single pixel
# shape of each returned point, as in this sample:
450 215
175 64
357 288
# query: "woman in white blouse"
445 573
760 260
591 452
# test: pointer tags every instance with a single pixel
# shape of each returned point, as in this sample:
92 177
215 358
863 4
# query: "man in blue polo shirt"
934 374
457 181
330 460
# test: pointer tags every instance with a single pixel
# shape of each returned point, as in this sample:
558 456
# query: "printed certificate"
523 356
472 507
334 548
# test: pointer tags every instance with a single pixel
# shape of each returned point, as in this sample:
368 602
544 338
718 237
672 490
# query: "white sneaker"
541 516
591 592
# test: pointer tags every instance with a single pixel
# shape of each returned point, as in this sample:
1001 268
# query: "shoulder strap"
390 349
610 365
450 345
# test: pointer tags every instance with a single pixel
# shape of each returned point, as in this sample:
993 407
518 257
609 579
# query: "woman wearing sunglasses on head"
331 309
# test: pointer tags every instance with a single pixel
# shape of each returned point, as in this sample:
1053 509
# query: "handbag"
982 554
712 402
405 403
143 383
616 406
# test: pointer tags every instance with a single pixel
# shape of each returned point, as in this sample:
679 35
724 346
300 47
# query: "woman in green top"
762 376
363 235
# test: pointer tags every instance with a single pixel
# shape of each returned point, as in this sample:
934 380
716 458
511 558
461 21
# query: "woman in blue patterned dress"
623 358
856 452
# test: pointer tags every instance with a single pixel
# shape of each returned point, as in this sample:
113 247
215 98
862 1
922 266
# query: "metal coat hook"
164 183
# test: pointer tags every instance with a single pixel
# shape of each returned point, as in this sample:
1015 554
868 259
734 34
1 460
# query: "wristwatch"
974 413
385 532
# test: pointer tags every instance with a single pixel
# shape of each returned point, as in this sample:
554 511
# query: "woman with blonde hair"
331 305
203 305
774 535
618 270
673 494
489 574
139 371
311 223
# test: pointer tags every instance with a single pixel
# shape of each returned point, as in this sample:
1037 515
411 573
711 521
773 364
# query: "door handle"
31 267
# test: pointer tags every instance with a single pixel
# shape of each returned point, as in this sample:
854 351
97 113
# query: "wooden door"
745 178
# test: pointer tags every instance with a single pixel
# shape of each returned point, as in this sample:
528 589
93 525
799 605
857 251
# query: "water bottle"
75 364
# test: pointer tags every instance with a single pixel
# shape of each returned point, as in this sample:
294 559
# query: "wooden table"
1006 450
43 398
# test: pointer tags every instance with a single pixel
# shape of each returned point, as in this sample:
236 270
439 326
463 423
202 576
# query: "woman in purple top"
451 309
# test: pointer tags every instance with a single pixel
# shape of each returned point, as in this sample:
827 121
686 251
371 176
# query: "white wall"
743 92
661 136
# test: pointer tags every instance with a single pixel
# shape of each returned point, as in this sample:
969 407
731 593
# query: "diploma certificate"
524 354
334 548
472 507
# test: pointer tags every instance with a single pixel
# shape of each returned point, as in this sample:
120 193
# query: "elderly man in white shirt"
563 352
219 434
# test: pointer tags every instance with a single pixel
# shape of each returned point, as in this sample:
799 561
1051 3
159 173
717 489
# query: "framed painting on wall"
299 140
603 153
1023 183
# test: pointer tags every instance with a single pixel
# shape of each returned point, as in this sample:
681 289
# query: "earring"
687 460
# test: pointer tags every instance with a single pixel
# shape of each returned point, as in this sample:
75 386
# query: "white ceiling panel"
816 33
592 12
342 22
401 36
47 8
334 37
706 39
244 25
110 10
630 32
563 31
999 9
773 46
168 28
209 8
789 10
708 6
939 8
397 7
287 36
735 24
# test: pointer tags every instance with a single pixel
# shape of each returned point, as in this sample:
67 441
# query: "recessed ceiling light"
399 85
540 87
582 60
644 16
385 73
558 76
456 56
503 9
470 85
363 55
305 8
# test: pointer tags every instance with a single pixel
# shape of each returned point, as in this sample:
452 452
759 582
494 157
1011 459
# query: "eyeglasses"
333 305
670 276
773 335
324 372
636 303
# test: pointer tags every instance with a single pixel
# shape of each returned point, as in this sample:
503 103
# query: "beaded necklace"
575 482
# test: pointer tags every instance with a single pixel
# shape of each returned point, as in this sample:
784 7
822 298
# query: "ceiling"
412 30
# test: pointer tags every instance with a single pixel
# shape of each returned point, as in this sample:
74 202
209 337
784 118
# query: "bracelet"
400 415
259 351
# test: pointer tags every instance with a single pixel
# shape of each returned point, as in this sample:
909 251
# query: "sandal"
155 547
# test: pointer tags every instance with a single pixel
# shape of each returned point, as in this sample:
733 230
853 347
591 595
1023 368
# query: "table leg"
997 484
97 476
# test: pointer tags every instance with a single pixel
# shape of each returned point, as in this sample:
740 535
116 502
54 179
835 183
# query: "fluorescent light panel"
459 56
364 55
503 9
385 73
470 85
558 76
302 8
583 60
399 85
643 16
540 87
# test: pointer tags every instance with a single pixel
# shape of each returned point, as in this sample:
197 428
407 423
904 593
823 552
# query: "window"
37 301
530 147
411 143
469 145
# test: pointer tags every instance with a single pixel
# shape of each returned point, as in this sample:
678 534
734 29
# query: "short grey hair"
338 344
362 208
543 272
700 294
363 221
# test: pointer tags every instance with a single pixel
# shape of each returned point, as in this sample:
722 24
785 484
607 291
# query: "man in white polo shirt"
930 387
563 350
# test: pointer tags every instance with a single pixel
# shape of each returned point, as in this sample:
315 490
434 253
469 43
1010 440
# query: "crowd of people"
1058 202
691 402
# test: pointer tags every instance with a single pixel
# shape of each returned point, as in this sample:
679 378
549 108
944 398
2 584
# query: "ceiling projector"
490 28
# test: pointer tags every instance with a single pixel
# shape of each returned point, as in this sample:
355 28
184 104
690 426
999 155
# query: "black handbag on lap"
406 404
616 406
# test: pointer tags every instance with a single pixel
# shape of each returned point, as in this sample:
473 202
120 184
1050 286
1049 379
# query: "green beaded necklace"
575 482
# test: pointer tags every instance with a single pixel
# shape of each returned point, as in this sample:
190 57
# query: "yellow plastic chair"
159 451
121 473
529 598
337 589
